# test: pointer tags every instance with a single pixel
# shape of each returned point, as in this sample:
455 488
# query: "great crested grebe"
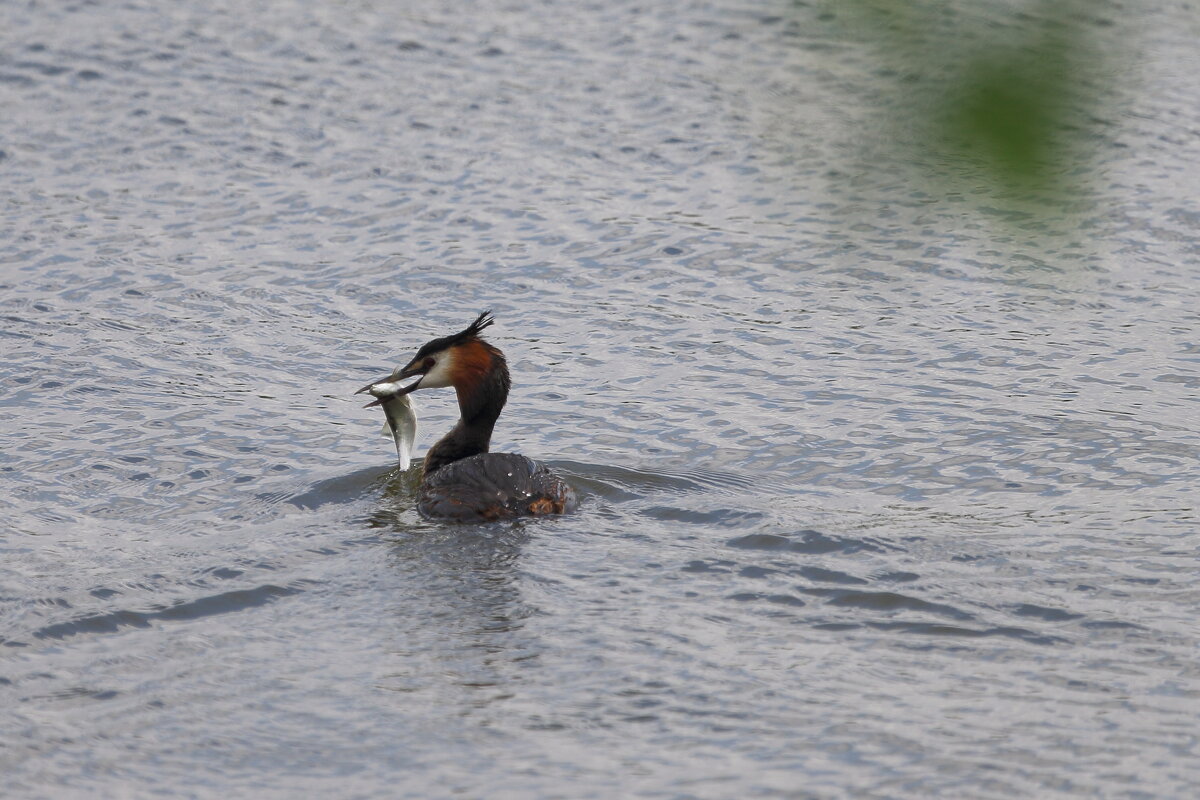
462 481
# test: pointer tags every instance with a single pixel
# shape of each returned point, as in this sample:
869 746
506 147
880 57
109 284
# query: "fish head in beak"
432 370
434 365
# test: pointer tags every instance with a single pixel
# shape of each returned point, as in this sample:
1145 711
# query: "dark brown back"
494 486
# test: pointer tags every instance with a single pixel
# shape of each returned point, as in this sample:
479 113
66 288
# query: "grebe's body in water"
462 481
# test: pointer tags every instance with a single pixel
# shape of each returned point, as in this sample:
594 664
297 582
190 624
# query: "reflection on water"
459 640
868 485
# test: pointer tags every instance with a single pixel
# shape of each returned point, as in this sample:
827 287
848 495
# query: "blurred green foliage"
990 93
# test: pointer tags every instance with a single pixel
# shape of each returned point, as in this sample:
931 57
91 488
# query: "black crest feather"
470 332
484 320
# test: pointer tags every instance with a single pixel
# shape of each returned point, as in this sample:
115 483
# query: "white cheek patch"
439 376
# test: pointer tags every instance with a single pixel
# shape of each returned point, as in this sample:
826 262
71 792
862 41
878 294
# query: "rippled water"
881 499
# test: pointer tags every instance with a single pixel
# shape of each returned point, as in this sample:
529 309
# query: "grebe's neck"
481 380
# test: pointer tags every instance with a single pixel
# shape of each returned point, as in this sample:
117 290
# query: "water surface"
886 494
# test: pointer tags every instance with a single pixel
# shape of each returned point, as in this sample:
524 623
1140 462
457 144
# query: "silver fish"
401 422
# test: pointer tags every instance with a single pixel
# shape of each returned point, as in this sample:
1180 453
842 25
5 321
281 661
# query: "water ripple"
872 477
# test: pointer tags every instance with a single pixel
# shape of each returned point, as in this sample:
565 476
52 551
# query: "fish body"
401 423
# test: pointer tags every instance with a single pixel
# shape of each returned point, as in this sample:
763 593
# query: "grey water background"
887 493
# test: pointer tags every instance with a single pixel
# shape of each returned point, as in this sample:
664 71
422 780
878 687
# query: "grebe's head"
449 361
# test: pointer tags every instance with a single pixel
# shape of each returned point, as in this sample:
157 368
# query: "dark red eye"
429 362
